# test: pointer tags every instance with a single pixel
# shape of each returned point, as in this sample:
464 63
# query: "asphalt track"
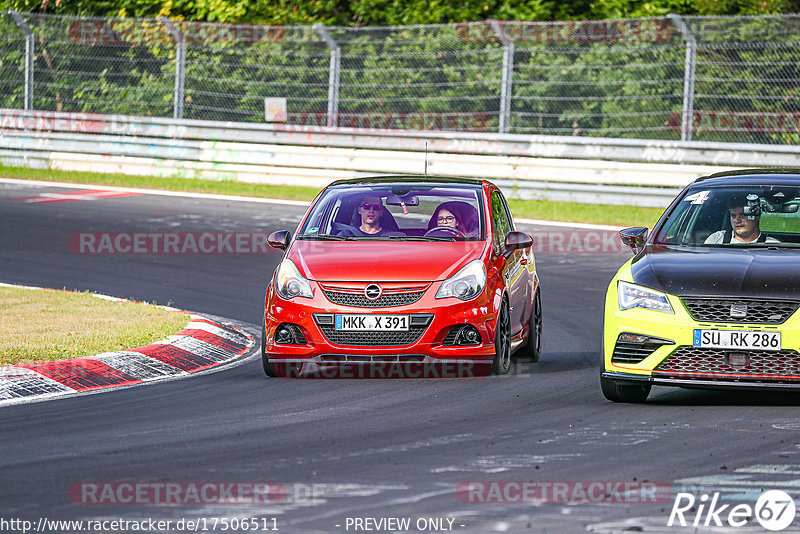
360 448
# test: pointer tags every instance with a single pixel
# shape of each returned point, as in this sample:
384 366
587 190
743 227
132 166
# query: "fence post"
180 67
333 77
688 75
30 50
507 77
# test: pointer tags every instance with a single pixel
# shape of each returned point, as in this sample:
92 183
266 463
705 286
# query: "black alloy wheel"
268 369
533 347
502 341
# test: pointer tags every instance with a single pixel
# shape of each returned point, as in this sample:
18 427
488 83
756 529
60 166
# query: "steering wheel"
455 232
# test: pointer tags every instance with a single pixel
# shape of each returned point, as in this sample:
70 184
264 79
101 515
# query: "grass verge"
626 216
528 209
43 325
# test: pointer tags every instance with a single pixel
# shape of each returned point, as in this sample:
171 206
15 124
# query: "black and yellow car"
710 298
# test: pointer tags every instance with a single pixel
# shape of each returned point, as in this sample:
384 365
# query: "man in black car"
744 228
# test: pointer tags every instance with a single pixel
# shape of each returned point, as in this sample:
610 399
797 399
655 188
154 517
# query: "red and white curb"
202 345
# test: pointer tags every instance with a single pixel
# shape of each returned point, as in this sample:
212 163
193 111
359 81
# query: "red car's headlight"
289 283
466 283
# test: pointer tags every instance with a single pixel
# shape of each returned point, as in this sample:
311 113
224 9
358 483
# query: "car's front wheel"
617 391
502 341
268 369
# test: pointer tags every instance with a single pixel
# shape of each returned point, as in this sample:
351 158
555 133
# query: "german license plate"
387 323
737 339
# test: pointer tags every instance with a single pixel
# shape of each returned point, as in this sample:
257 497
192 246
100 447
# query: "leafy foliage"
612 78
395 12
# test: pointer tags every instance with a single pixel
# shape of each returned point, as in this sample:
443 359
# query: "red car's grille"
698 362
739 311
372 339
387 300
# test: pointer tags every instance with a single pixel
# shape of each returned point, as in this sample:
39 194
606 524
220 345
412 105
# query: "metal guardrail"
637 150
611 171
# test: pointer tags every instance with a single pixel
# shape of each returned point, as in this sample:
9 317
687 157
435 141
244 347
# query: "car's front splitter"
701 383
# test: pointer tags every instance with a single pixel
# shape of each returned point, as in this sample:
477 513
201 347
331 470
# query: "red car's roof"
408 179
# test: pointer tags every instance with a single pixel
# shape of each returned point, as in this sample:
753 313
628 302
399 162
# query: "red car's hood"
384 261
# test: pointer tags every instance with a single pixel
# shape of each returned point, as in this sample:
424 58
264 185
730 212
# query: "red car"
402 271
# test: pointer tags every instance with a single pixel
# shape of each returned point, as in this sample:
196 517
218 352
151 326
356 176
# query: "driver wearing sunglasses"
370 210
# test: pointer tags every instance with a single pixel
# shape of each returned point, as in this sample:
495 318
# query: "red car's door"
512 266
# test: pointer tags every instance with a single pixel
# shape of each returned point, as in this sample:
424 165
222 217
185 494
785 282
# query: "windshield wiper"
325 237
761 245
780 245
744 246
421 238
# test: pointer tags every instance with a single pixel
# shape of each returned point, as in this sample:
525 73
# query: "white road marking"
235 198
232 198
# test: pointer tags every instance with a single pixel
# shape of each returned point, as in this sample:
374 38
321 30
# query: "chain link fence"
728 79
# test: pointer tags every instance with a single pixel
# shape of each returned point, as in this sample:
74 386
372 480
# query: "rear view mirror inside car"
407 200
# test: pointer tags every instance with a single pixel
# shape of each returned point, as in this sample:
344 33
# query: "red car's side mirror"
280 239
516 240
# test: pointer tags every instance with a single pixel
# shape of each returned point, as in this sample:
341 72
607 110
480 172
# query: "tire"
617 391
268 369
502 341
533 348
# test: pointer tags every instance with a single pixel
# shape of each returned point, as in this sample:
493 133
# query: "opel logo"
373 292
738 311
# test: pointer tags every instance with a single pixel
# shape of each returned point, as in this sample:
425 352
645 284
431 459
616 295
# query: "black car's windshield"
743 216
390 212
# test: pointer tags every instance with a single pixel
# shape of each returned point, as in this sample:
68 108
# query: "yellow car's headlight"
635 296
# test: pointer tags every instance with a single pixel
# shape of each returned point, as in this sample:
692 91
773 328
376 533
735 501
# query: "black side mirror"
634 238
280 239
516 240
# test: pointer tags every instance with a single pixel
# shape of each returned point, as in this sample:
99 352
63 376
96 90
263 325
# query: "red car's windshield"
407 211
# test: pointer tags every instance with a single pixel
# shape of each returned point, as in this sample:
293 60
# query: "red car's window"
502 221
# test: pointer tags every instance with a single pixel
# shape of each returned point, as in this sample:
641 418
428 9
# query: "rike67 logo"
774 510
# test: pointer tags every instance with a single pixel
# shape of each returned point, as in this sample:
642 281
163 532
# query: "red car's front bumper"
426 342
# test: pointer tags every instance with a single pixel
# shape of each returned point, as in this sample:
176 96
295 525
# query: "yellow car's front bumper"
669 356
